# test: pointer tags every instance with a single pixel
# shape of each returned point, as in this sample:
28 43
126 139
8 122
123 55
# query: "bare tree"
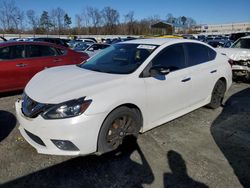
32 19
57 19
95 17
129 20
9 15
111 19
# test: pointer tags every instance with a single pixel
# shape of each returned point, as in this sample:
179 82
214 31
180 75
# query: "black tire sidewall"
102 146
212 104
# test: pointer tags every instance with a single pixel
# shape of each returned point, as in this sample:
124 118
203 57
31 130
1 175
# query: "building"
225 28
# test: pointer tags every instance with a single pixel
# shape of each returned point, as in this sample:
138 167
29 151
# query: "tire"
120 123
217 95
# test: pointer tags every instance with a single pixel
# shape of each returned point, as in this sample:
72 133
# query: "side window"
33 51
48 51
198 53
17 52
41 51
61 51
5 53
171 57
12 52
212 54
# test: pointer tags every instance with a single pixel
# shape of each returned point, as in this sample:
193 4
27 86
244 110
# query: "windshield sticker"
148 47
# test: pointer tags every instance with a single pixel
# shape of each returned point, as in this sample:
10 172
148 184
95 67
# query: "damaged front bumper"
241 69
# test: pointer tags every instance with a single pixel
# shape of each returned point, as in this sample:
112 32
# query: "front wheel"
217 95
120 123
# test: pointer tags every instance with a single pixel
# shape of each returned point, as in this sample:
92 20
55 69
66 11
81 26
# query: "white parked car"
90 49
125 89
239 53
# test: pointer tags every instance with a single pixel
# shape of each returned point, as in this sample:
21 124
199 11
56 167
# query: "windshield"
242 43
81 46
119 58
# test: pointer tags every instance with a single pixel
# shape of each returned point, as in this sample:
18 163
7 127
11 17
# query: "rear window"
199 53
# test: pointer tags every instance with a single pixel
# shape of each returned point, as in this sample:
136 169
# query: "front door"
168 94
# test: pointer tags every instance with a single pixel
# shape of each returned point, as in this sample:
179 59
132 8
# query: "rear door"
40 57
13 68
204 70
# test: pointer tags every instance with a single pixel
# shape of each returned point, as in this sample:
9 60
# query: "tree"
129 19
95 17
67 21
32 19
111 18
45 22
171 19
183 20
10 16
57 19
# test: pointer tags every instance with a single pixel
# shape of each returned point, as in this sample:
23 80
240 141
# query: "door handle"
186 79
21 65
57 60
213 71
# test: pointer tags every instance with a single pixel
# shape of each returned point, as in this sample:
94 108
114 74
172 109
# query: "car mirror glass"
155 70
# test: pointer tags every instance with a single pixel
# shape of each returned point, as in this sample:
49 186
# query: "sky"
203 11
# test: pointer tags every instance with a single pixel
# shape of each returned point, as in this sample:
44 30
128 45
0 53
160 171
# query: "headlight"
67 109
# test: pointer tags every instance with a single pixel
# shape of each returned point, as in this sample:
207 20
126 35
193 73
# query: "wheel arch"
129 105
224 80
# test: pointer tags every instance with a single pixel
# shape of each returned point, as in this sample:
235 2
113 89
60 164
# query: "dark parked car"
20 61
2 39
52 40
219 43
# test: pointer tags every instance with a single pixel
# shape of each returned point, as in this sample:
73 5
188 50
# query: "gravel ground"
205 148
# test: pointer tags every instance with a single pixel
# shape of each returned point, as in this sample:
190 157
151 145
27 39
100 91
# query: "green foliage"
67 21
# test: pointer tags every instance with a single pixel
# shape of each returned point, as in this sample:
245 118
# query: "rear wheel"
120 123
217 94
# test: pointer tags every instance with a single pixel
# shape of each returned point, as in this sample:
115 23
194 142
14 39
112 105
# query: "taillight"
231 62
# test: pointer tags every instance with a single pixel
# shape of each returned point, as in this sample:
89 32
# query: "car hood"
60 84
236 54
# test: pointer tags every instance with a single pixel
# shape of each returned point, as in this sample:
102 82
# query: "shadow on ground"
7 124
179 176
11 93
115 169
231 132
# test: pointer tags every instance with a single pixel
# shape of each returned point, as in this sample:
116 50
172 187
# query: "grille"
31 108
35 138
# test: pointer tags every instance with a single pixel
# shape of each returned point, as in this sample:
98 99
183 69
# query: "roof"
162 25
7 43
154 41
246 37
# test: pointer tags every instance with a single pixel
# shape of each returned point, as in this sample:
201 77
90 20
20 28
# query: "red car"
20 61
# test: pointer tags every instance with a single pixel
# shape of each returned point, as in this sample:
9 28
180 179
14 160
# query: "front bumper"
82 131
240 71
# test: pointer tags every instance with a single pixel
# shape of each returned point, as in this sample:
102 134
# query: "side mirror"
91 49
155 71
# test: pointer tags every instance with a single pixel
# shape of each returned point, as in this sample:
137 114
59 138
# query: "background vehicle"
20 61
87 40
236 36
90 49
81 46
239 53
95 48
2 39
129 87
57 41
219 43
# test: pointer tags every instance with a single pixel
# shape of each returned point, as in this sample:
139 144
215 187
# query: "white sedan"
128 88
